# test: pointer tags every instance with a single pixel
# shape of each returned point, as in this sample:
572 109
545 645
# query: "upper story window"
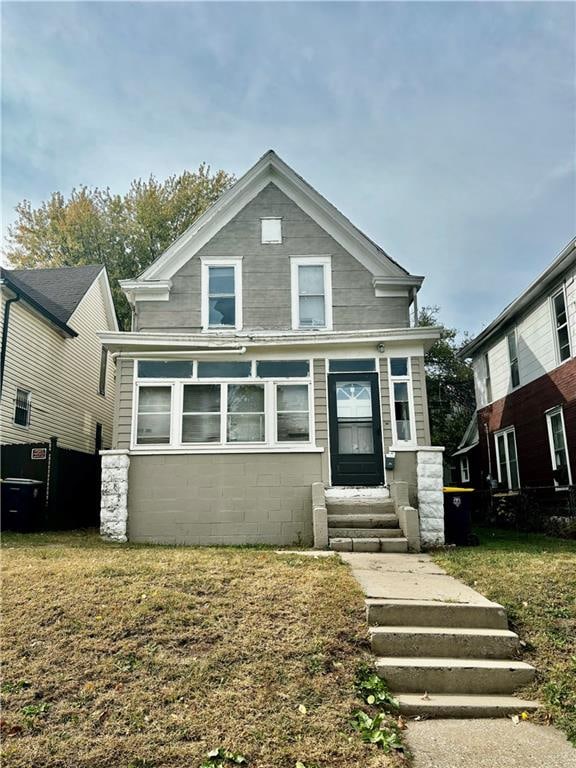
558 447
561 325
311 292
22 405
507 458
513 358
401 389
271 230
464 469
487 378
222 293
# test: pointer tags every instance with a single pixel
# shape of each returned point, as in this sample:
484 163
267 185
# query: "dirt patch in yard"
145 657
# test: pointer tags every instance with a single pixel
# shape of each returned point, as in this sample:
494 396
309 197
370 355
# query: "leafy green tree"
123 232
450 385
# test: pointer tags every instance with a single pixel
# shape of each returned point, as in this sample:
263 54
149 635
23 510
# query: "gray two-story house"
272 387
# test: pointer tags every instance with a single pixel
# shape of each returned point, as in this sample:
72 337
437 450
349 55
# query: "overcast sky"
446 131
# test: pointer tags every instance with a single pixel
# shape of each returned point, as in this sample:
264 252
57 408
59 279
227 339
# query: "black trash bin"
22 504
458 517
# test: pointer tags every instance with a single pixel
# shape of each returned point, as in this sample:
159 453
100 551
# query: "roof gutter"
7 306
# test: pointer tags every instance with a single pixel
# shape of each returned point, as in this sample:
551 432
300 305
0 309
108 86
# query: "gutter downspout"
5 335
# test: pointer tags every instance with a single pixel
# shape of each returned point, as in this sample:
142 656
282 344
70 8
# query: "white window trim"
561 290
28 408
311 261
270 445
487 377
216 261
270 242
464 469
400 380
505 432
553 412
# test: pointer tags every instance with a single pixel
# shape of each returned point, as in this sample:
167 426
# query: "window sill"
156 450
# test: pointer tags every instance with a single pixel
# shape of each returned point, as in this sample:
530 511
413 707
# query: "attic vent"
271 230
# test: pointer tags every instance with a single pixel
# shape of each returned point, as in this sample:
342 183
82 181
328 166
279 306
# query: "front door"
355 431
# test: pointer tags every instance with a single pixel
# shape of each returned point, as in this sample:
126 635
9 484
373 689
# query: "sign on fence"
38 453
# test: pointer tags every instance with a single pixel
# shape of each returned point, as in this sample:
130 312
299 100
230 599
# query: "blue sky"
446 131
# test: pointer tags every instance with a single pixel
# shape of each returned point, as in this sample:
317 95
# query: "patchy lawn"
149 657
534 577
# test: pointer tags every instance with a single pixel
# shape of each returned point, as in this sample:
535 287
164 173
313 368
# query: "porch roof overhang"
239 342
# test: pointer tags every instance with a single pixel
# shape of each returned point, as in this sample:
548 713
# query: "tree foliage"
123 232
450 385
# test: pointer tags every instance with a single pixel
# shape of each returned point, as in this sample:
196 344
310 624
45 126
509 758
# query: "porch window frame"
311 261
402 379
558 410
504 433
269 385
556 328
217 261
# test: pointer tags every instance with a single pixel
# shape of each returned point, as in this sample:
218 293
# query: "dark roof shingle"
59 289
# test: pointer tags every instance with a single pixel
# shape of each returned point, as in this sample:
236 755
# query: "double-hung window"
513 358
221 293
311 279
22 404
487 378
292 413
561 325
464 469
558 447
507 459
154 412
103 370
401 390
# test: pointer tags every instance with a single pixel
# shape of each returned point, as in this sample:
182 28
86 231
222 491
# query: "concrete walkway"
461 743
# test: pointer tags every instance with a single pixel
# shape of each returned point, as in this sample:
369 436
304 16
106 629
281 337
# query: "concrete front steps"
363 520
444 660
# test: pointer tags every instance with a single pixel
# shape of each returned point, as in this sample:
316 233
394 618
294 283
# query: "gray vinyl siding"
266 276
123 404
226 499
321 414
385 403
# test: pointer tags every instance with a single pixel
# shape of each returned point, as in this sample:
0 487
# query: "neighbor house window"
561 325
464 469
400 387
487 378
507 459
311 292
271 230
103 369
558 447
22 407
221 294
256 403
513 358
154 411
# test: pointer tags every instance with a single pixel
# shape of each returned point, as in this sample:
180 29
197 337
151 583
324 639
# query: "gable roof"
272 169
54 292
535 291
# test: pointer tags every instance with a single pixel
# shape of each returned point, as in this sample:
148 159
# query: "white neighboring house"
56 380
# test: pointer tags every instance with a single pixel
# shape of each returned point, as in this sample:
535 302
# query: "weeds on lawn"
223 758
376 730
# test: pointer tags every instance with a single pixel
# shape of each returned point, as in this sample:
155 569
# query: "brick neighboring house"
524 432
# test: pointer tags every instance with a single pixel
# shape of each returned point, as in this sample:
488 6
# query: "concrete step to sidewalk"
362 520
456 705
447 675
443 642
398 544
364 533
425 613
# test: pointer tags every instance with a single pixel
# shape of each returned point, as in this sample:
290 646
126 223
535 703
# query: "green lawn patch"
127 656
534 578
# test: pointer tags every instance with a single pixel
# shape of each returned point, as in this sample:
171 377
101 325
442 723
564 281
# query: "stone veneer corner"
430 476
114 498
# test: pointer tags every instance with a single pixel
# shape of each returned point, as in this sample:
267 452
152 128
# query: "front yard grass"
534 578
126 656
